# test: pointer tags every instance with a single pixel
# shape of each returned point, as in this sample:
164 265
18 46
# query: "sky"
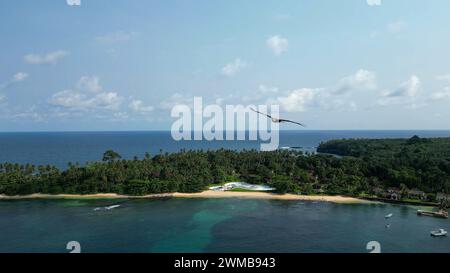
94 65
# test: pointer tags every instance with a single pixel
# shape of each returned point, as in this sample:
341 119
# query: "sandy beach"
265 195
205 194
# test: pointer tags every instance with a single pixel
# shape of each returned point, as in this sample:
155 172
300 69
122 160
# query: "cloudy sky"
122 65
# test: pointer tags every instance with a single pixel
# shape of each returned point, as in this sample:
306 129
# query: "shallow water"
214 225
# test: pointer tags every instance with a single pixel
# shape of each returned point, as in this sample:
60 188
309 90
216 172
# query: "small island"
414 170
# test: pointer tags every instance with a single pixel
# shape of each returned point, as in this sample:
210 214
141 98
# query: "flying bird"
277 120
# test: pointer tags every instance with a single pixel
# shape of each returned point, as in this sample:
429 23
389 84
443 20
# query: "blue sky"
122 65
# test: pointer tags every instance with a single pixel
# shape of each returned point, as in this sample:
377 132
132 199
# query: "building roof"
417 192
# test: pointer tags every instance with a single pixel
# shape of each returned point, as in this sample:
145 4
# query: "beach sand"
265 195
205 194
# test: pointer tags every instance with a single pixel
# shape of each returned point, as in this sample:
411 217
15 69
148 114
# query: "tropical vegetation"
361 166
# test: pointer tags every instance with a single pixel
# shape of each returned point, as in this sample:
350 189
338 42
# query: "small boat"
388 216
107 208
388 225
112 207
439 233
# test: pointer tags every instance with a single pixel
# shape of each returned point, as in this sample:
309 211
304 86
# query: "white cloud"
445 94
373 2
119 116
88 97
16 78
278 44
69 99
31 113
330 103
397 27
263 92
409 88
107 100
86 100
233 68
73 2
405 94
139 107
326 98
174 100
116 37
20 76
77 101
89 83
296 100
49 58
361 80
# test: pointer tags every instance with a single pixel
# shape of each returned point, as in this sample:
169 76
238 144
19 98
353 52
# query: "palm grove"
363 165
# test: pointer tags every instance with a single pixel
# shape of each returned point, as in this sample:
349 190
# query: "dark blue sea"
59 148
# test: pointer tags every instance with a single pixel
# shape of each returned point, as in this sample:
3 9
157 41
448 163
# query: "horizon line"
288 130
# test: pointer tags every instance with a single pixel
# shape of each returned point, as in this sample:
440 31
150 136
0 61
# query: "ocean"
199 225
60 148
215 225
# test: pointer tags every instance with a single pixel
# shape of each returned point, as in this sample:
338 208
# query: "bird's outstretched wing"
260 113
298 123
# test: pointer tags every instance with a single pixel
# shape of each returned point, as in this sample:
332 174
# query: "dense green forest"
418 163
414 163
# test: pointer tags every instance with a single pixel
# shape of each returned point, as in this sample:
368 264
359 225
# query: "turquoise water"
214 225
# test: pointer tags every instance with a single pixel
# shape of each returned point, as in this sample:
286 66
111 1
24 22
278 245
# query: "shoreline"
204 194
273 196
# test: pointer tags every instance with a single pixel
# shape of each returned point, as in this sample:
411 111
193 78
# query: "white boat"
112 207
107 208
388 216
439 233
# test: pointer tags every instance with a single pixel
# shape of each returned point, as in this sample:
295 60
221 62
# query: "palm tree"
110 156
